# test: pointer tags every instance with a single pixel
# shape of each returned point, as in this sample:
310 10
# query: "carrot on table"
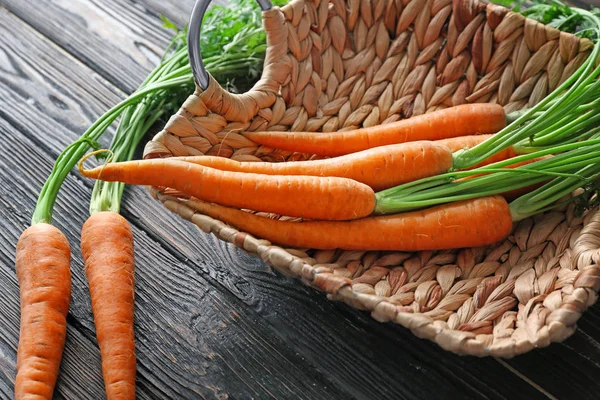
107 249
469 223
42 266
107 244
308 197
380 168
461 120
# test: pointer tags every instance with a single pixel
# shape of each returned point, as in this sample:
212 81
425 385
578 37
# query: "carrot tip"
93 153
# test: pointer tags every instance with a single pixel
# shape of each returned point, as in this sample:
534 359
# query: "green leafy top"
554 13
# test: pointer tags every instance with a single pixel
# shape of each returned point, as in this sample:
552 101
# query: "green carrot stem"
540 199
553 133
67 160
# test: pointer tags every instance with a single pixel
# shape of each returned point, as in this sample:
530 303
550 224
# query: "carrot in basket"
380 167
468 223
42 266
309 197
461 120
107 250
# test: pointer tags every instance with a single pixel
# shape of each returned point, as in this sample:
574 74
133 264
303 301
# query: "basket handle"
194 51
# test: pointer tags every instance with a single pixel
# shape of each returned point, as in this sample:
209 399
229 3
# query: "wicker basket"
344 64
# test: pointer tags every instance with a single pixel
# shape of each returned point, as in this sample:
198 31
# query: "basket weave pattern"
341 65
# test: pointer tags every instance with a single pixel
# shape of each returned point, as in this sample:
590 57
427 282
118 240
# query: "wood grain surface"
211 321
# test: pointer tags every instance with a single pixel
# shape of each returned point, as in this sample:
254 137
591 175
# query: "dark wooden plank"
575 361
181 320
346 357
119 39
178 12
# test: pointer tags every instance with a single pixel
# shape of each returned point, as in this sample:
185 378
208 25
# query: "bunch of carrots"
437 181
453 178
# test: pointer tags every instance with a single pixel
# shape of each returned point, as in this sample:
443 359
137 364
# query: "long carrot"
380 167
107 249
107 244
461 120
42 267
296 196
467 223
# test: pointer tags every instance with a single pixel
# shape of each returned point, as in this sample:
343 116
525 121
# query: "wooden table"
211 321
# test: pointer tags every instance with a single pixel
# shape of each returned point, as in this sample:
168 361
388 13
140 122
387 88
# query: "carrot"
107 250
309 197
461 120
44 276
468 223
380 167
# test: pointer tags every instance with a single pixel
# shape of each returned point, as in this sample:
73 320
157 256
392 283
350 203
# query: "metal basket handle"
194 51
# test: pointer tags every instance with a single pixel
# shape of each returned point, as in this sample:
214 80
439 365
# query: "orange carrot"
462 120
107 250
468 223
311 197
42 266
380 167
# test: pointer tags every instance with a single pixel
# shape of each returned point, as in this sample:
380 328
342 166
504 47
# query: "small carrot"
42 266
474 222
107 250
461 120
308 197
380 167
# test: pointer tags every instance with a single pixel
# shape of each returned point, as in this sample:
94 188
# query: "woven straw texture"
342 65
